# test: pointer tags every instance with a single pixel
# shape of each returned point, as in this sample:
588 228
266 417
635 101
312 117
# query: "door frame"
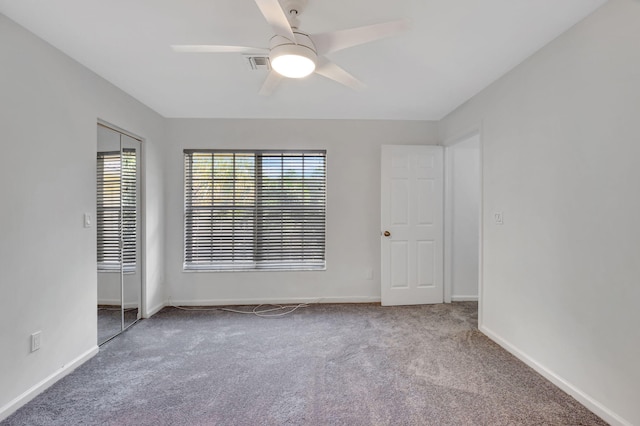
448 213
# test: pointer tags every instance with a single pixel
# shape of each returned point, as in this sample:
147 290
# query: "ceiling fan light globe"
293 66
293 60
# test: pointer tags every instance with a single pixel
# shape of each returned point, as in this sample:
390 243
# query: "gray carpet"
321 365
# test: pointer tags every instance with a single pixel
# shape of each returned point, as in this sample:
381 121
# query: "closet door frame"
140 228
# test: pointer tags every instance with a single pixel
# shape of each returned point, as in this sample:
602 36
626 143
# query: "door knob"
387 234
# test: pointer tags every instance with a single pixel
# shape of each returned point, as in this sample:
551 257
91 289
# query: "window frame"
255 265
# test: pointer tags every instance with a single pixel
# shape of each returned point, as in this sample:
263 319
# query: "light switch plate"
35 341
497 217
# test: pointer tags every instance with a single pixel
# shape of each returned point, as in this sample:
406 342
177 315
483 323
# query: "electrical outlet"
498 219
35 341
368 273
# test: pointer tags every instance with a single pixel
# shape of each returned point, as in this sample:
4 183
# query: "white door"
412 225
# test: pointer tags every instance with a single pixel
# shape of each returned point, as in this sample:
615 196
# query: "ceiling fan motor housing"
302 51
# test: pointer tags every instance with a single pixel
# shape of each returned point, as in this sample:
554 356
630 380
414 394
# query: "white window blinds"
116 208
254 210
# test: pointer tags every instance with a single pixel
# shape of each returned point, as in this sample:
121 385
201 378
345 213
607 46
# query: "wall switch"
35 341
87 220
497 217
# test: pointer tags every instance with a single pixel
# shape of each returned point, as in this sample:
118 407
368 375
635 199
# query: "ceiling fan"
294 54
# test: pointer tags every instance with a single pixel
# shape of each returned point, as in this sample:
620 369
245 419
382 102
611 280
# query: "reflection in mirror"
118 234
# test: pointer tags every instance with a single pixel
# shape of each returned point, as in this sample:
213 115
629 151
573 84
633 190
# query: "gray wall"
353 207
49 107
561 279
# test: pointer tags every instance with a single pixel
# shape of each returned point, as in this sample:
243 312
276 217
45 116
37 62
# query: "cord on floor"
267 312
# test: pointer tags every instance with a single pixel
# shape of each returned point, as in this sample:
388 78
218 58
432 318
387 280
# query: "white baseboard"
277 301
154 310
464 298
593 405
40 387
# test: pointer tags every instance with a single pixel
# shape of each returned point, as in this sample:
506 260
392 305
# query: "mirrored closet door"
118 232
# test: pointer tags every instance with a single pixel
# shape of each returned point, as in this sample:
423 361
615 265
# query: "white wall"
561 277
353 206
49 107
463 211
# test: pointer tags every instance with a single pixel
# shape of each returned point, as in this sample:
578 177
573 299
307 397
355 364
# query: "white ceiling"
453 50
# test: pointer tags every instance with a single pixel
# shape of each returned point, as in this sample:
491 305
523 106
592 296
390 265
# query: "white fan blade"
338 40
334 72
209 48
270 83
276 17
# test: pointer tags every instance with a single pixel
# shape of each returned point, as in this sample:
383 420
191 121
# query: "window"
254 210
116 194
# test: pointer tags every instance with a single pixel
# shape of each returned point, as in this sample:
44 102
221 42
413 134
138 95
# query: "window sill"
266 269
